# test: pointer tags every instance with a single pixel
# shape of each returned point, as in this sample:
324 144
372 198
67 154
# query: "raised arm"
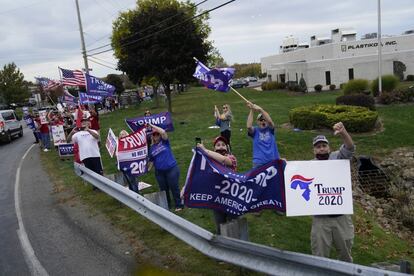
339 129
69 138
216 156
249 123
265 115
161 131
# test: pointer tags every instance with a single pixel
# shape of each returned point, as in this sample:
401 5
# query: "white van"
10 125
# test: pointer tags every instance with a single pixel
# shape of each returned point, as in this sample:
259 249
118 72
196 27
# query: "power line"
21 7
165 29
103 65
149 27
104 61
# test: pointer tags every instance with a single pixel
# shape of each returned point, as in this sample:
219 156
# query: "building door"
328 77
351 73
282 78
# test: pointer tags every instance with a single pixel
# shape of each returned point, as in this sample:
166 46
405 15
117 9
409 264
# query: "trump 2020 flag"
89 99
95 86
132 153
211 185
162 120
217 79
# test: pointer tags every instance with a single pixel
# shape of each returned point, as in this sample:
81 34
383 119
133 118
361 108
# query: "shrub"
357 100
389 83
356 86
302 85
410 78
402 95
318 88
332 87
355 118
342 85
273 85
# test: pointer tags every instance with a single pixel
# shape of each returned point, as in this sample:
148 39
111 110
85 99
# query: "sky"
40 35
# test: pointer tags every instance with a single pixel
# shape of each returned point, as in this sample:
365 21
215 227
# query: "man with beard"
221 154
336 229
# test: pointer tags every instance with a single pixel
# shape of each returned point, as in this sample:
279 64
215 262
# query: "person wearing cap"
223 121
87 140
336 229
167 172
221 154
263 135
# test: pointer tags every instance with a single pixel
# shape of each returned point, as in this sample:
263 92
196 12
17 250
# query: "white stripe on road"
32 262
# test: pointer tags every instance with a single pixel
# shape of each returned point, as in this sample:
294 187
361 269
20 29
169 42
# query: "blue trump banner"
89 99
132 153
97 86
217 79
211 185
65 150
162 120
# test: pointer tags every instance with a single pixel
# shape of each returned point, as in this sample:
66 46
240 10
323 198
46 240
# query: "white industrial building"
338 58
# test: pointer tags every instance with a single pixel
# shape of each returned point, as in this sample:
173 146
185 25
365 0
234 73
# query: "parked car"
10 125
238 83
252 79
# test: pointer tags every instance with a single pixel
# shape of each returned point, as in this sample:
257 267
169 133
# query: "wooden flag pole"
241 96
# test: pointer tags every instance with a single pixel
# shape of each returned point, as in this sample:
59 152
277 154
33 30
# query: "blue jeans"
132 182
168 180
45 140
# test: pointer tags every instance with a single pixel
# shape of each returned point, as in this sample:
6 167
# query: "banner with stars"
211 185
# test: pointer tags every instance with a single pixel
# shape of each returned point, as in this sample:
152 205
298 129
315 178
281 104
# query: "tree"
116 81
13 88
149 43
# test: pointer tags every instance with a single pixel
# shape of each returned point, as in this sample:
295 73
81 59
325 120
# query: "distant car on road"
238 84
251 79
10 125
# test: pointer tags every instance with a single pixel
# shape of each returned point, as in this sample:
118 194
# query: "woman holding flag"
223 121
167 172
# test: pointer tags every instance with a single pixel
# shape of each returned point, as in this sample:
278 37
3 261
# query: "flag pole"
234 90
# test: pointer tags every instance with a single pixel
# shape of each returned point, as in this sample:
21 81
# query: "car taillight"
1 125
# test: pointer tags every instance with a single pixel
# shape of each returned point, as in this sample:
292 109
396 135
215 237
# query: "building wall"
338 58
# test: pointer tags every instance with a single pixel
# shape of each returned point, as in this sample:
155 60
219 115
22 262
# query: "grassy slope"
193 113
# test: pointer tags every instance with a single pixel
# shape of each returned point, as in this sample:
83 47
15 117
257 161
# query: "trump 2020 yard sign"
318 188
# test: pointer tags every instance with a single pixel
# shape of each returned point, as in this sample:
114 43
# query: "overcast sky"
40 35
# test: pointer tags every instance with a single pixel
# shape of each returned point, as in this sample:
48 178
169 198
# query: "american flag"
52 84
72 77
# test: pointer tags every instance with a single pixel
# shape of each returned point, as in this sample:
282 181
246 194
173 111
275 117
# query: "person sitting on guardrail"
223 121
221 154
87 140
263 135
336 229
167 172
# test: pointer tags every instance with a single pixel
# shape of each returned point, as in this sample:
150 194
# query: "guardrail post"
405 266
159 198
237 229
116 177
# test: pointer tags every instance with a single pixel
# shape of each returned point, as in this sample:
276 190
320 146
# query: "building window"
351 73
296 77
328 77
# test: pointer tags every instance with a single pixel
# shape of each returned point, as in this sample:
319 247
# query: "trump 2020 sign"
318 188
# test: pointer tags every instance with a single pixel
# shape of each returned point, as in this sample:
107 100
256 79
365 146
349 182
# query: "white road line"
32 262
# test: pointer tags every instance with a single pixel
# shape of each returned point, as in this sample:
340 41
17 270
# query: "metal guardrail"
245 254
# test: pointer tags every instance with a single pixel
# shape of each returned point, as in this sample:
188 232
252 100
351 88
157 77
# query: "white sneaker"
45 150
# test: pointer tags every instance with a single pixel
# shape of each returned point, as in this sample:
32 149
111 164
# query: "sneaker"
178 209
45 150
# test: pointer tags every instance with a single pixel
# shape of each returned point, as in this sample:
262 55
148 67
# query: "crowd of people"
327 230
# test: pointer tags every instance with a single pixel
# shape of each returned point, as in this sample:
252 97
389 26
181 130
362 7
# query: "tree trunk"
155 91
168 94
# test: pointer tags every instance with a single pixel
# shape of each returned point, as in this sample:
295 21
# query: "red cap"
220 138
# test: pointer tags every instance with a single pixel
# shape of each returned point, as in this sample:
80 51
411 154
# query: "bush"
402 95
356 86
410 78
302 85
318 88
355 118
342 85
332 87
272 85
357 100
389 83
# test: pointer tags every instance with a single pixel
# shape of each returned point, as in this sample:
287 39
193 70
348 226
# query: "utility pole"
85 59
379 50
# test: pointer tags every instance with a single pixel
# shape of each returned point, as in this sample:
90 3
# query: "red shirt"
94 122
43 128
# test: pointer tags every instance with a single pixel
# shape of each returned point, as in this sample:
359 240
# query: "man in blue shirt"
264 144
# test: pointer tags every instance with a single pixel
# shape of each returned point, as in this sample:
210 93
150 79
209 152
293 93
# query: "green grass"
192 115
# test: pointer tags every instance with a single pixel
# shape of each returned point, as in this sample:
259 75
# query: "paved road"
53 237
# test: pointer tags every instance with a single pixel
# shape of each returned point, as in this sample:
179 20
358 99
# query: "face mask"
222 151
322 156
